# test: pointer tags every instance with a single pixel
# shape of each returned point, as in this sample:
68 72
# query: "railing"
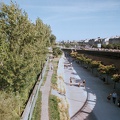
27 113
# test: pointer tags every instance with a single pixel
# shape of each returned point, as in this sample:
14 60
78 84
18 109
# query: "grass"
58 108
45 76
53 108
37 110
54 76
53 101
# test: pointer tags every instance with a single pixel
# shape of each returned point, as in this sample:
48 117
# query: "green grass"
37 110
45 76
54 76
53 108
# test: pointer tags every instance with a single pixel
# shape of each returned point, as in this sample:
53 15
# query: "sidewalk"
75 95
45 95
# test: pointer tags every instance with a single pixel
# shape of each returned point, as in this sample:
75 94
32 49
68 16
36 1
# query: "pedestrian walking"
114 97
109 97
70 81
84 82
51 67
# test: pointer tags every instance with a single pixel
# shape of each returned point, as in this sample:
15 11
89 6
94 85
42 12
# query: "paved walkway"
45 95
97 107
94 94
75 95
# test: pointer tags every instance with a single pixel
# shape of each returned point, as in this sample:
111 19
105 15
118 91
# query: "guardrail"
27 113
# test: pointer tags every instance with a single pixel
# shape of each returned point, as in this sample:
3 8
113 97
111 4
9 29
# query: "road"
97 107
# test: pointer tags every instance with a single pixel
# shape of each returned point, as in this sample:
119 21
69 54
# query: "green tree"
95 64
52 39
23 50
108 70
116 78
57 51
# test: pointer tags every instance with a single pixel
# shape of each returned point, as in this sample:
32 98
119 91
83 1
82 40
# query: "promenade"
85 103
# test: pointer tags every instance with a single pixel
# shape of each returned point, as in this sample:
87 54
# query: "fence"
27 113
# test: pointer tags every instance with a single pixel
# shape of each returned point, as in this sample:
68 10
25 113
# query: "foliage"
63 109
88 61
53 108
111 46
107 69
81 58
37 110
95 64
23 50
57 51
54 76
52 39
73 54
11 106
67 45
116 77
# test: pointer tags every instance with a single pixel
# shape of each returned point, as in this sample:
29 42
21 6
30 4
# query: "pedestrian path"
76 96
45 95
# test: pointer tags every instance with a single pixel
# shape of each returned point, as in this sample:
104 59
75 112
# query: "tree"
81 58
108 70
57 51
95 64
52 39
23 50
116 78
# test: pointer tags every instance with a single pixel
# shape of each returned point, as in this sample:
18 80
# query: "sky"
75 19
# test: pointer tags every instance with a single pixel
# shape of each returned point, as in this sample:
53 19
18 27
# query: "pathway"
45 95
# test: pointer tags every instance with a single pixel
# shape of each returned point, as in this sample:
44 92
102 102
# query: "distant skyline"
75 19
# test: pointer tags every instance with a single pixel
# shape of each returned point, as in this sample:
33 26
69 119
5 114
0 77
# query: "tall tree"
23 50
52 39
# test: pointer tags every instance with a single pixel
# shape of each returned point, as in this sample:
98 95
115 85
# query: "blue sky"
75 19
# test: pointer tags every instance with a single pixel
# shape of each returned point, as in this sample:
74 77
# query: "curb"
82 106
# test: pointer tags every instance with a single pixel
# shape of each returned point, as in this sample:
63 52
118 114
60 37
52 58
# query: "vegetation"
37 110
108 70
63 109
45 76
116 78
54 76
57 51
23 50
111 46
52 39
58 107
53 108
95 64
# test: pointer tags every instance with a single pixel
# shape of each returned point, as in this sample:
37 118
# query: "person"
109 97
114 97
70 81
84 82
118 102
51 67
79 84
